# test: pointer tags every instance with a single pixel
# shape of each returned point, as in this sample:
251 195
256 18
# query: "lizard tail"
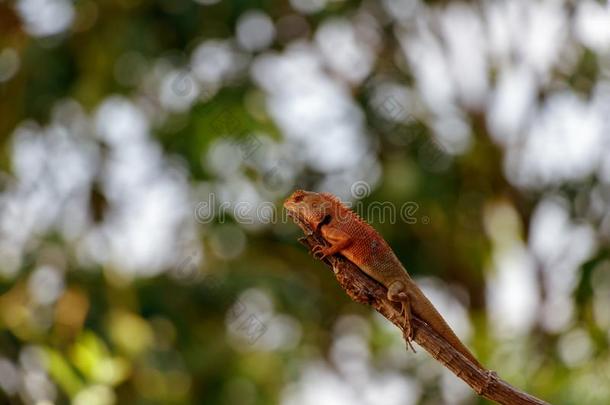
424 309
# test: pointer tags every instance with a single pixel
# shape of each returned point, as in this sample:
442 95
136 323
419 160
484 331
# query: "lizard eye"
298 198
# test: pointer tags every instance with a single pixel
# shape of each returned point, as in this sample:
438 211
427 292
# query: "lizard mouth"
298 219
293 214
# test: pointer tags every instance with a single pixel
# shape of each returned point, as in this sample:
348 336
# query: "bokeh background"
146 146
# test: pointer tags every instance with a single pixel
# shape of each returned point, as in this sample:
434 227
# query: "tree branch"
363 289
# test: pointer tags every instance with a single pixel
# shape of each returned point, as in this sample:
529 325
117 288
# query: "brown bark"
363 289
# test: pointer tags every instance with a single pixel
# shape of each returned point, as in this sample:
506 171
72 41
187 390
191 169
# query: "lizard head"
309 206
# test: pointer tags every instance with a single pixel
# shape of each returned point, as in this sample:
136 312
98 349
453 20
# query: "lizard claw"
409 339
409 333
318 252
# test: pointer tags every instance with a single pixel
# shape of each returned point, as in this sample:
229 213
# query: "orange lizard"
349 235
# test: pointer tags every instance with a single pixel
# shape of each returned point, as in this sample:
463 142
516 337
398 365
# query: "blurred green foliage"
109 338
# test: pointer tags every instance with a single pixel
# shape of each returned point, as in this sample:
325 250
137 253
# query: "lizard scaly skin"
350 236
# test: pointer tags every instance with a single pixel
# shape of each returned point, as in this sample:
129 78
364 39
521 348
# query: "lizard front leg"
397 292
337 239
